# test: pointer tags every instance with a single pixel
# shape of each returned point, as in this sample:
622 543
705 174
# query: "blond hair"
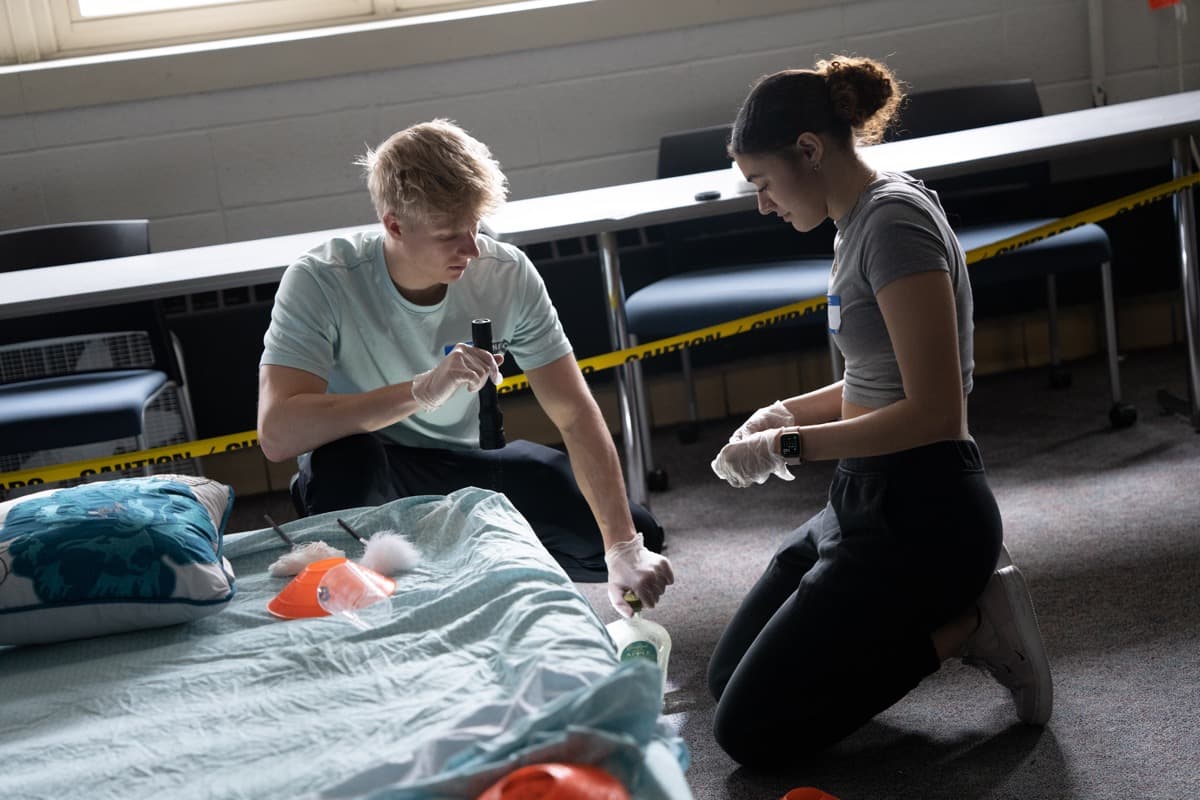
434 173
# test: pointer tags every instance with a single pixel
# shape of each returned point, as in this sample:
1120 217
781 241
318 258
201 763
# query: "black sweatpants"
838 627
364 470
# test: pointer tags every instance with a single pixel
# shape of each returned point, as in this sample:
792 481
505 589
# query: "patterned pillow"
113 556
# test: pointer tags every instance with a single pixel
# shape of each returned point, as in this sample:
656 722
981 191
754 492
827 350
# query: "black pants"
364 470
838 627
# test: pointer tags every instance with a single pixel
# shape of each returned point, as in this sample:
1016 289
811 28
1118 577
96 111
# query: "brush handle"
350 530
491 420
278 530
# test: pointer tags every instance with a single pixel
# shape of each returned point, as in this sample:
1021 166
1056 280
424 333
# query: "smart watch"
791 447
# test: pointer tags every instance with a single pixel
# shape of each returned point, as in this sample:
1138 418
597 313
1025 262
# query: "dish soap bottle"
638 637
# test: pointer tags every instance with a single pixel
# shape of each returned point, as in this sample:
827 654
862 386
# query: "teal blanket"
491 660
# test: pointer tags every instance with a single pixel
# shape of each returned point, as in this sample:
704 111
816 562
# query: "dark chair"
711 271
990 206
92 382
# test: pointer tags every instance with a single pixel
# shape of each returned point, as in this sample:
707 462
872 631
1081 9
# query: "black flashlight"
491 421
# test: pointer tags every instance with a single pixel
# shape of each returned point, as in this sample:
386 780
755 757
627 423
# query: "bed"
491 660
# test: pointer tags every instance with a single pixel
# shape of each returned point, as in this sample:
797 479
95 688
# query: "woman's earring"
816 166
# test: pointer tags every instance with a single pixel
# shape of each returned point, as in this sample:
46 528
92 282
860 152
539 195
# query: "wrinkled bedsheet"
491 660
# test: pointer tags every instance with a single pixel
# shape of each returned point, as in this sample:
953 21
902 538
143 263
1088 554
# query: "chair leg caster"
687 432
656 480
1059 378
1122 415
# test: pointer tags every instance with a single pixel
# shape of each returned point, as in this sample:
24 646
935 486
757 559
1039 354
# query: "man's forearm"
597 468
304 422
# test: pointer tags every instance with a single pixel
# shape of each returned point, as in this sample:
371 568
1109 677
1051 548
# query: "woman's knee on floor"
720 669
741 731
765 735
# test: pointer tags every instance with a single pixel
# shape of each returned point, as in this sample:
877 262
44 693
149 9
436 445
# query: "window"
38 30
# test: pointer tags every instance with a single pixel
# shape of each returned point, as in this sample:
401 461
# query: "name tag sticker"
835 313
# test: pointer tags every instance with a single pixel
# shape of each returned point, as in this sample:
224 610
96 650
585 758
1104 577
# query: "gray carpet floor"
1105 525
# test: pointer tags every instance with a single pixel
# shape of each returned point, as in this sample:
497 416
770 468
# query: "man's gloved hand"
775 415
752 459
463 366
631 567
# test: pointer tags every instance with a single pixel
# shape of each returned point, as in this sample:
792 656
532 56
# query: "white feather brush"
387 552
300 556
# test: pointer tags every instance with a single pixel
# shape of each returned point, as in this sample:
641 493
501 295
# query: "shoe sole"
1032 647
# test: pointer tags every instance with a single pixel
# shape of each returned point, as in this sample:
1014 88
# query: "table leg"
628 375
1185 218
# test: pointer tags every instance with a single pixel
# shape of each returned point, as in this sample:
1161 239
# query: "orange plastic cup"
808 793
300 598
556 782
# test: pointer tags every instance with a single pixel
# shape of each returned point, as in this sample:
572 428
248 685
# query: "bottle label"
639 650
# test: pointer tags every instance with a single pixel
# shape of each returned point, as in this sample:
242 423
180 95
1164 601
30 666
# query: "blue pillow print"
114 556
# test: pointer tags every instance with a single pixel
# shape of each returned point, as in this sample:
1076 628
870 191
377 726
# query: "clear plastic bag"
357 594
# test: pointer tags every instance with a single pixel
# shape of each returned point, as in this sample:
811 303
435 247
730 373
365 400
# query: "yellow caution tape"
1103 211
121 462
671 344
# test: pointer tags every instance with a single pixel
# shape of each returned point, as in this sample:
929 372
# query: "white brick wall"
270 160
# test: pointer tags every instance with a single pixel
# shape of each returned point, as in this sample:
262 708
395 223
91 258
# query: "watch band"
791 447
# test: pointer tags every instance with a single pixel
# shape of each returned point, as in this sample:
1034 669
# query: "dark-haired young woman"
899 571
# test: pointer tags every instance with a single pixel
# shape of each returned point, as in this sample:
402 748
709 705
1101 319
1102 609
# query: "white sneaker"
1008 644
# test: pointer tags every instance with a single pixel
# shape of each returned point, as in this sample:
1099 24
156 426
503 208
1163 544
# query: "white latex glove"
631 567
463 366
753 459
775 415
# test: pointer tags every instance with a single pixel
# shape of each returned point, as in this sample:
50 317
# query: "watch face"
789 445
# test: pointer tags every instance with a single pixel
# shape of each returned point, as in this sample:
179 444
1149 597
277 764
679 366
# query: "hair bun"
863 93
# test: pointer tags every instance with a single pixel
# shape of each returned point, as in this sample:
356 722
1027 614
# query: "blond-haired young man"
365 376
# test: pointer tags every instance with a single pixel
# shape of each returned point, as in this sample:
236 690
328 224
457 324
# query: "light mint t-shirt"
338 315
896 228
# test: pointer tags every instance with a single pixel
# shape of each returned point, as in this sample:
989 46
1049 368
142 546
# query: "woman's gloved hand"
775 415
633 568
752 459
463 366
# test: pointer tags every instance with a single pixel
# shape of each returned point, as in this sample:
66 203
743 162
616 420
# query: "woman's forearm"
900 426
818 406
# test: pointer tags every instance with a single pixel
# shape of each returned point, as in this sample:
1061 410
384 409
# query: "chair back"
983 196
689 152
70 342
72 242
736 238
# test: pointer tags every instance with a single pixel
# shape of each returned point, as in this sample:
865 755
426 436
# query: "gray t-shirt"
896 228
